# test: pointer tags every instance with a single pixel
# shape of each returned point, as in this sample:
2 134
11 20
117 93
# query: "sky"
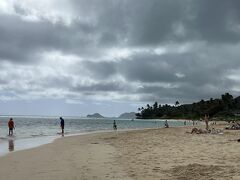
78 57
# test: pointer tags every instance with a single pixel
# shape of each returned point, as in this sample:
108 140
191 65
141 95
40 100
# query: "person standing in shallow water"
10 126
166 124
114 125
62 124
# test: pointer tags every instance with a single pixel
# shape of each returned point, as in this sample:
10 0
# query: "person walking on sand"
10 127
62 124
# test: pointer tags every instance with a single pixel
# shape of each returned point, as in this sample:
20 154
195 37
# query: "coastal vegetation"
226 107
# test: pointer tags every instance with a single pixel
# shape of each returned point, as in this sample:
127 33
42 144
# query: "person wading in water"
10 127
62 124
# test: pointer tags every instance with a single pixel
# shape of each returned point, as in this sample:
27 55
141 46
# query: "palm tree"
148 106
177 103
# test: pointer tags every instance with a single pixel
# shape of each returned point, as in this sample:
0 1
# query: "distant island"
130 115
95 115
225 108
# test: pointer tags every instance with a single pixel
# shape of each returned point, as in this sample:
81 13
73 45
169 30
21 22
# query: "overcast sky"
75 57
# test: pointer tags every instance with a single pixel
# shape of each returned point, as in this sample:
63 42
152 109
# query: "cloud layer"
119 51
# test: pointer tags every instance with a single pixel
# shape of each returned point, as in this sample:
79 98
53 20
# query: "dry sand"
144 154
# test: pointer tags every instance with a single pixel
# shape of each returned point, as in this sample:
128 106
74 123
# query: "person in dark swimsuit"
62 124
114 125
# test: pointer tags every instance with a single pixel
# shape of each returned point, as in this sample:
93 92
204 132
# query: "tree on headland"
227 106
227 101
155 106
177 103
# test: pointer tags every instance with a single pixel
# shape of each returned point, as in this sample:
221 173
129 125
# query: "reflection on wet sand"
11 145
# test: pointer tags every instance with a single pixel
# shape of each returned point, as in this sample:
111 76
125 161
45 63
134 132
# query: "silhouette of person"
10 145
10 127
114 125
62 124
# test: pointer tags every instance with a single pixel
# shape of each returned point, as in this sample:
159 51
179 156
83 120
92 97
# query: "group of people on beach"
203 131
11 126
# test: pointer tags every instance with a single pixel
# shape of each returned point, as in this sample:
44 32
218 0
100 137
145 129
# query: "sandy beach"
143 154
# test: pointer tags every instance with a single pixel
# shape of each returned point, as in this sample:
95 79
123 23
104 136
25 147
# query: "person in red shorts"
10 126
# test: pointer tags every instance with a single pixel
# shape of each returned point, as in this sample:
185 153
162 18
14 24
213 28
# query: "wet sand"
144 154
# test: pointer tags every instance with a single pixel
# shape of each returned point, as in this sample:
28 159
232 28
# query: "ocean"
32 131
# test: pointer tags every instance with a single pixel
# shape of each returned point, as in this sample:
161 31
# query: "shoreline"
159 153
11 144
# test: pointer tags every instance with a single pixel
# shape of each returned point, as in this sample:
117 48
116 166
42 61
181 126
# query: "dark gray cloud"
214 21
24 40
148 68
119 23
145 23
100 70
100 87
110 48
186 76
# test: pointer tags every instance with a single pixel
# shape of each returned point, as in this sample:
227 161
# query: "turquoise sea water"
34 131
